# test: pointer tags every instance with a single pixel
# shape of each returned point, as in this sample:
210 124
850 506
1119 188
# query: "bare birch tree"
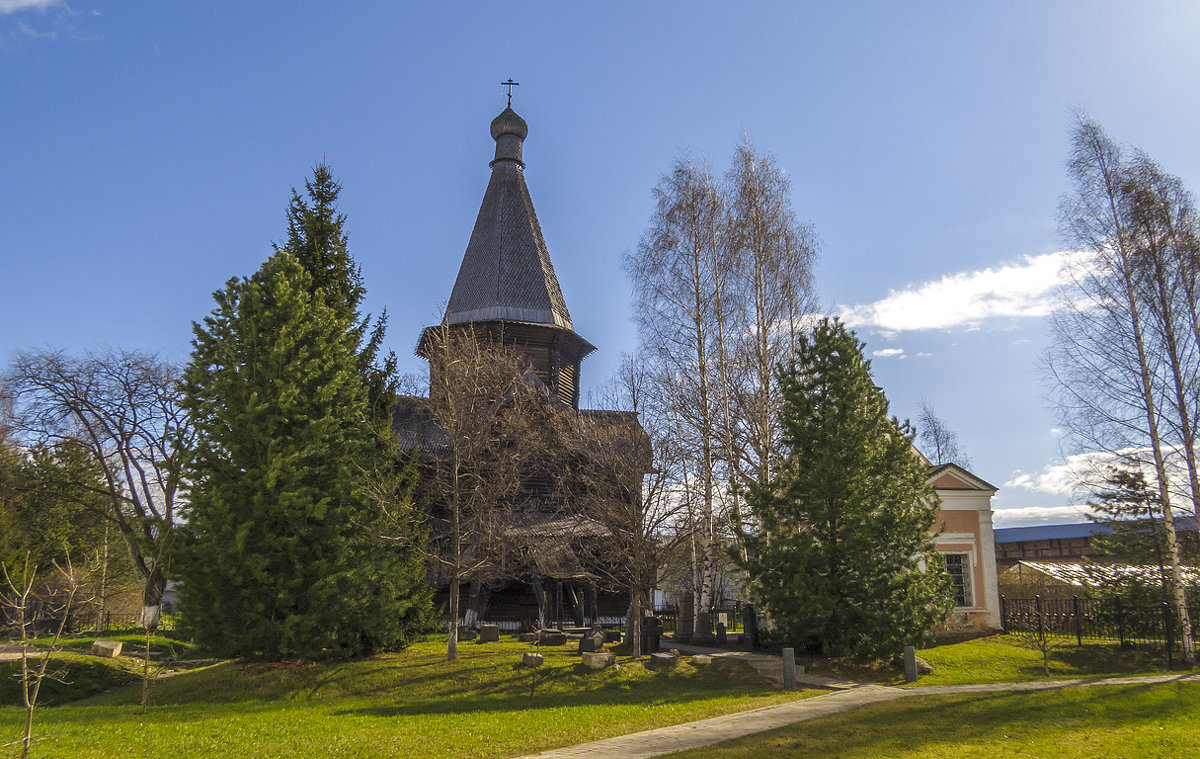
1109 364
1163 223
775 253
678 279
123 408
722 280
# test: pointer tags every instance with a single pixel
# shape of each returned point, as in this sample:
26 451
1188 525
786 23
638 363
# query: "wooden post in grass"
910 664
789 668
1120 623
1078 621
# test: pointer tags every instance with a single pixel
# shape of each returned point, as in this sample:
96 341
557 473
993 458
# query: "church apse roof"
506 274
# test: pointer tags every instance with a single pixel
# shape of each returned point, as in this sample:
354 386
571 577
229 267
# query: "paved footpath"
668 740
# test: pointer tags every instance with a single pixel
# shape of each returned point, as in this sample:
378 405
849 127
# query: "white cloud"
924 355
889 353
29 31
12 6
1071 476
1084 473
967 299
1024 516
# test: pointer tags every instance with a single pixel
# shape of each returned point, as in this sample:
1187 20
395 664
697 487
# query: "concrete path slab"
668 740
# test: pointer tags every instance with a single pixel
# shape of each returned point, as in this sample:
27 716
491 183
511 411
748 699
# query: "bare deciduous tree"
123 407
679 277
938 441
722 280
774 254
626 482
1115 361
484 406
27 607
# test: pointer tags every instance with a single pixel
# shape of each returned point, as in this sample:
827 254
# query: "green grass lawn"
1009 658
414 703
1113 722
1003 659
411 703
134 643
69 676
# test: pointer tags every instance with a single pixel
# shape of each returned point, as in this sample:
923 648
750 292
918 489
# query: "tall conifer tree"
317 237
283 557
843 558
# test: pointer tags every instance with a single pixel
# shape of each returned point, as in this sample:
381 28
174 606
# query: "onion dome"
509 130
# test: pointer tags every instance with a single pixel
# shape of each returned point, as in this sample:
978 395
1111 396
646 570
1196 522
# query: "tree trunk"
633 624
539 593
452 630
103 581
152 595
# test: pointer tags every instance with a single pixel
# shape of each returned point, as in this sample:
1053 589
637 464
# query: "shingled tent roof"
506 274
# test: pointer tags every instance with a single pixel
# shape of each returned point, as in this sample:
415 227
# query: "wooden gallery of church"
506 291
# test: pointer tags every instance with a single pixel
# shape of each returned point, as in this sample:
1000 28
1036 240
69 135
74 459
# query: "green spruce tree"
285 552
843 558
1131 511
316 236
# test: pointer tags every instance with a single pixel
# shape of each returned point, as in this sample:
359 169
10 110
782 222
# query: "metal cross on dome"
509 84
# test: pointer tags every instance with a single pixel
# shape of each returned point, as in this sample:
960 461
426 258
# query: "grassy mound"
69 677
164 644
412 703
1002 659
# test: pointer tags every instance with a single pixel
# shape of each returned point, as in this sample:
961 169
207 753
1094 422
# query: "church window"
958 566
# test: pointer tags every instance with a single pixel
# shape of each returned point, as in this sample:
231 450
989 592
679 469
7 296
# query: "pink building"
967 543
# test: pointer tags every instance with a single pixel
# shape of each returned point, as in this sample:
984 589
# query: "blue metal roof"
1048 532
1061 531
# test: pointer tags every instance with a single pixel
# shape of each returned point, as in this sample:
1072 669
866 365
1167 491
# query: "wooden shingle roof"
506 274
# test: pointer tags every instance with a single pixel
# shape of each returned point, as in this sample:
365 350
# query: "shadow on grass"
624 695
998 724
418 684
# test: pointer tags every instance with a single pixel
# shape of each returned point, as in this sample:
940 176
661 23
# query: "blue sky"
148 149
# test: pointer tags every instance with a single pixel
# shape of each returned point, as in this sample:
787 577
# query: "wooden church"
507 295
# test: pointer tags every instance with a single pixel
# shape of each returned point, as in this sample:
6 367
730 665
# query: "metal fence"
1150 626
728 613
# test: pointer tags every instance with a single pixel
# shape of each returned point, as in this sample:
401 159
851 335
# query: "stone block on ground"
591 642
598 659
662 660
110 649
530 659
701 659
530 637
489 634
466 633
553 638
